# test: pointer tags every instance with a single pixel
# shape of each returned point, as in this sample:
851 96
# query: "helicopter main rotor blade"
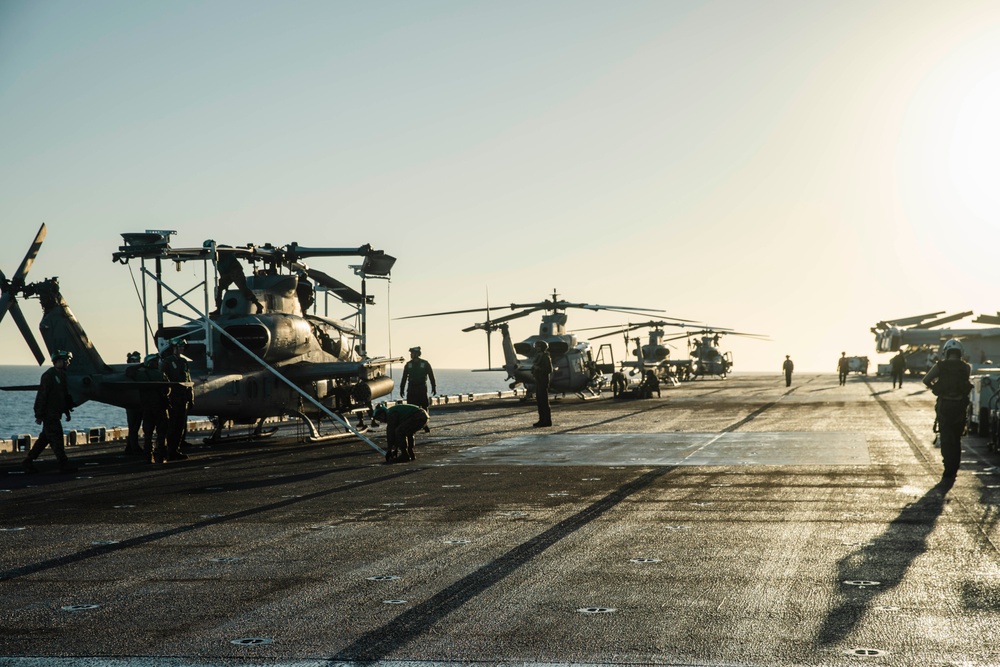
29 258
29 338
345 293
491 324
449 312
943 320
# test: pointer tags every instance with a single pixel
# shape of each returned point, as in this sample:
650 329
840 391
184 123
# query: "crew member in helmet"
133 415
402 422
231 273
949 380
175 367
155 393
52 402
541 370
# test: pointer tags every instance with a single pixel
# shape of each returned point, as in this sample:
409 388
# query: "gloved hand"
67 415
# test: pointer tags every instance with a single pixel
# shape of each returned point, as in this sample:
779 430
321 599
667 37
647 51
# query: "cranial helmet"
952 344
541 345
62 354
380 412
150 359
208 243
134 357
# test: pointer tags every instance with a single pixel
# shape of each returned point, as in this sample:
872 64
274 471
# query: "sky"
800 170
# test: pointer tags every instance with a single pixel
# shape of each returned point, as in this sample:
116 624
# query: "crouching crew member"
402 422
949 380
175 367
52 402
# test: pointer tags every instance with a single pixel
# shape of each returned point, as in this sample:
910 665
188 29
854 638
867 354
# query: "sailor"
788 367
175 367
155 396
843 367
231 273
949 380
541 371
897 366
402 422
133 415
52 402
650 384
417 372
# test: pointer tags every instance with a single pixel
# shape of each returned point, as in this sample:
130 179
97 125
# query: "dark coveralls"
51 402
788 367
949 380
155 412
402 422
231 273
897 365
417 372
843 366
541 370
133 416
175 367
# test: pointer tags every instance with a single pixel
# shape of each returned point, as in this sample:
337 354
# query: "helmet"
62 354
541 345
380 413
134 357
208 243
151 358
952 344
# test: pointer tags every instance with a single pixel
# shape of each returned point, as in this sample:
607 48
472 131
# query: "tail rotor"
10 289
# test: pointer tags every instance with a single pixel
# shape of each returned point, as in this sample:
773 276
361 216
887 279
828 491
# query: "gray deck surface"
730 522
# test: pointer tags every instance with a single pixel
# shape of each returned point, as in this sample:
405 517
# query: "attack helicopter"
247 363
706 359
653 356
576 370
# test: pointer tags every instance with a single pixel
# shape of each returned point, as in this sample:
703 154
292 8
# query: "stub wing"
304 371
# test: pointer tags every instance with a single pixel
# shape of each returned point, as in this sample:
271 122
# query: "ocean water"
17 413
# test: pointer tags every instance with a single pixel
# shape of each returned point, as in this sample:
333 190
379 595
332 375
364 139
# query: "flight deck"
729 522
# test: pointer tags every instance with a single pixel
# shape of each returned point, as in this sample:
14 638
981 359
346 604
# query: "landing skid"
315 436
259 432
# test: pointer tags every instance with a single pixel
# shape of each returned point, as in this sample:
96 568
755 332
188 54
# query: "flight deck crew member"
541 370
231 273
949 380
843 367
417 372
52 402
155 409
788 367
897 366
175 367
133 416
402 422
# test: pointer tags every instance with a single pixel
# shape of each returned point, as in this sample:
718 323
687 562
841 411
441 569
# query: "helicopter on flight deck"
247 363
576 370
653 356
706 358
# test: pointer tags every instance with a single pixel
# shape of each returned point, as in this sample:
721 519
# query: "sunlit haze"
795 169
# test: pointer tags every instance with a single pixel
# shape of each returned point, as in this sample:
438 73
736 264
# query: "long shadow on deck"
884 560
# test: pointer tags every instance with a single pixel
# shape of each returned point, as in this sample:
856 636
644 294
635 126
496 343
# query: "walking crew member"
52 402
175 367
898 366
417 371
843 367
949 380
788 367
402 422
541 370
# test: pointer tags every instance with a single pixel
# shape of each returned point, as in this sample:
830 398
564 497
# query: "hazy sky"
797 169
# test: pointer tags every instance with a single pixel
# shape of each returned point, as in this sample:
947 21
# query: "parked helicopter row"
261 352
921 336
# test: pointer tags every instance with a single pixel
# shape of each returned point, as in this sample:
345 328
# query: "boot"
158 455
175 455
29 467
